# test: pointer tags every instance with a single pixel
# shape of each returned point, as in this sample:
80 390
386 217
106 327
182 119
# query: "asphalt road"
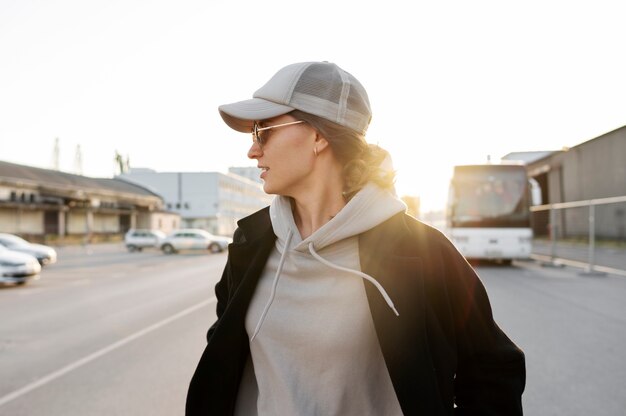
572 329
106 332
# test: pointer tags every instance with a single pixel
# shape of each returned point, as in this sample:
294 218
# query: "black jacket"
443 350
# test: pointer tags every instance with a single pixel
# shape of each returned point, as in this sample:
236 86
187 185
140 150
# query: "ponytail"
361 161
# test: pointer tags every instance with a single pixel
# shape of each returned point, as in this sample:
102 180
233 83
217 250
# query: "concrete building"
251 172
591 170
43 204
212 201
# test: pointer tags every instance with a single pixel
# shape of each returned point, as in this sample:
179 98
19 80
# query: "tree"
123 166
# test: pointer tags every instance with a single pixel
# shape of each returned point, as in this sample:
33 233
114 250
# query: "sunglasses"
260 138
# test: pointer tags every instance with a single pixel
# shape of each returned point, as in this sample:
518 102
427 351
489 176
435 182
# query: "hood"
11 256
371 206
42 248
368 208
34 249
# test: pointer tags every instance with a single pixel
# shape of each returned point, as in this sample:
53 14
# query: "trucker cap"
319 88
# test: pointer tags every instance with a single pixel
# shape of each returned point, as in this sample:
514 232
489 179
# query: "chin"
267 188
273 190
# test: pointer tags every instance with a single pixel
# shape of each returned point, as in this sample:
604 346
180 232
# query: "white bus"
488 212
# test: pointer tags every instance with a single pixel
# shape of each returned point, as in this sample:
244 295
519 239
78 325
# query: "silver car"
138 239
194 239
44 254
17 267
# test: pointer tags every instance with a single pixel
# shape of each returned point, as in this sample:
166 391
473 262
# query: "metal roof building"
47 204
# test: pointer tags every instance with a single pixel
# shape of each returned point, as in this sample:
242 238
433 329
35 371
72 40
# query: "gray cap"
319 88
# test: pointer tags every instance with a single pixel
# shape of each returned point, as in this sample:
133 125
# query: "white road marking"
119 275
91 357
81 282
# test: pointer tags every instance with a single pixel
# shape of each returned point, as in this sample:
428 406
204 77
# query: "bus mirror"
535 192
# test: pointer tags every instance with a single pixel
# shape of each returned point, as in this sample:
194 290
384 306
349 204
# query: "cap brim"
241 115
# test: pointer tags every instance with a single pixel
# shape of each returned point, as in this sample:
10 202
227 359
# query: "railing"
603 218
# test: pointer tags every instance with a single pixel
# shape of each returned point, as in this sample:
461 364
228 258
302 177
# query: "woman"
333 300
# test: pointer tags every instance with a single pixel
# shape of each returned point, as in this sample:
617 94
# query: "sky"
450 82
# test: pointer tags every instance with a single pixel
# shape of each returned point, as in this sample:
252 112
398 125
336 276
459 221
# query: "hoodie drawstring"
274 284
365 276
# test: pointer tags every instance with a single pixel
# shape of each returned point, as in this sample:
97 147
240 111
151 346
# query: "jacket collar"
253 242
256 226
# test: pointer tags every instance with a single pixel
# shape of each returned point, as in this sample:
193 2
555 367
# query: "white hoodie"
313 344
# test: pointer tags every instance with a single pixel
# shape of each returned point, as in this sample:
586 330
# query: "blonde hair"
361 160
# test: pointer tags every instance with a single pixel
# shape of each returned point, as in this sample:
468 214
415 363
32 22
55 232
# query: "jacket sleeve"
491 373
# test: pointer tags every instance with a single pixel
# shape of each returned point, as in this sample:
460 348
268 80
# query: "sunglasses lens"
255 134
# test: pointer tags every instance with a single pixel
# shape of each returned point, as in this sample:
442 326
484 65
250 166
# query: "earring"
315 151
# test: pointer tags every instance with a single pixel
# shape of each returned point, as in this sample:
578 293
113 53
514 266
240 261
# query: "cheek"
299 164
289 172
293 158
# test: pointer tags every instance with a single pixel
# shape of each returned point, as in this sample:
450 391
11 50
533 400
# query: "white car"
138 239
44 254
194 239
17 267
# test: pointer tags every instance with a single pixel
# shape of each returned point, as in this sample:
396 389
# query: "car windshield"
12 241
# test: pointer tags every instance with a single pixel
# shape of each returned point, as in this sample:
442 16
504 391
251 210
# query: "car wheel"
21 283
168 249
131 248
215 248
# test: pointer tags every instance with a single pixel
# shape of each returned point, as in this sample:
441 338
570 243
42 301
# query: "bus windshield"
489 196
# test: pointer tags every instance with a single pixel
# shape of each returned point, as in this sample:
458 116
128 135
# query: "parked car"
44 254
138 239
16 267
194 239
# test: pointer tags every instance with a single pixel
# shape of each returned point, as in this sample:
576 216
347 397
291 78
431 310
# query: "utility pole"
55 154
78 161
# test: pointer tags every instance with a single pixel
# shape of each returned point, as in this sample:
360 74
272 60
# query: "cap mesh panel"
315 81
356 101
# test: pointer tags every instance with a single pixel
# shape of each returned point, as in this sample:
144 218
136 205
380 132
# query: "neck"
319 204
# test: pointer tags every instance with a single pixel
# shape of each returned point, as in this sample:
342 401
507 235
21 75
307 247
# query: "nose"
255 151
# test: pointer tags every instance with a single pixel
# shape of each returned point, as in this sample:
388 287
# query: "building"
535 159
251 172
591 170
212 201
46 205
